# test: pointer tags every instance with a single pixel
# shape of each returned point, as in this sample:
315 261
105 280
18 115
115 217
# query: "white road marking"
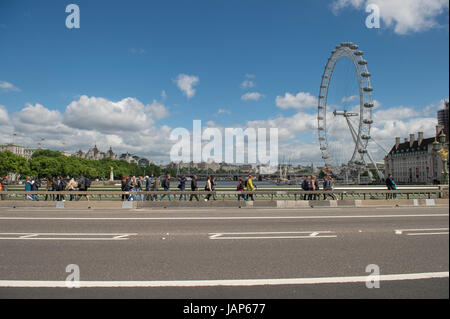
225 217
422 232
215 283
27 236
281 235
57 236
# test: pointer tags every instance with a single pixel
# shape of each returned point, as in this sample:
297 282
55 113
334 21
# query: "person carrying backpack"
35 187
166 186
327 186
82 186
305 186
194 188
240 189
59 186
182 187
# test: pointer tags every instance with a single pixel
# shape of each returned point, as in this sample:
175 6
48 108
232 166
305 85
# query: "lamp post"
440 147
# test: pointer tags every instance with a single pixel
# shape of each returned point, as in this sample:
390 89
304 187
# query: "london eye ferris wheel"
357 121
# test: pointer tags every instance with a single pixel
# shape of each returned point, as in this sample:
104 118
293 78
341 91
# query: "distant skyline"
136 70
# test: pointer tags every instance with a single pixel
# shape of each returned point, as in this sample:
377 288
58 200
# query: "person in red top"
240 188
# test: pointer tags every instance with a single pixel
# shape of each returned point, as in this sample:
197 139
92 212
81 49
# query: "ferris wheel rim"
349 50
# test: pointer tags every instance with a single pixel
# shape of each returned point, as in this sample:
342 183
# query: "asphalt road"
231 253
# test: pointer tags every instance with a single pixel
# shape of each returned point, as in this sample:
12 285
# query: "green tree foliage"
46 163
11 163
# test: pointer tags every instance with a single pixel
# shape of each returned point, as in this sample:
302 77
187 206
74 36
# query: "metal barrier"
425 193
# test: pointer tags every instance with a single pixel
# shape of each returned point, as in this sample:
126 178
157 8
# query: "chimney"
420 137
397 142
406 140
411 140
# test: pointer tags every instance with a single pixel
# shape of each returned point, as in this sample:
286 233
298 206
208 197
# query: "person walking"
166 187
310 186
35 184
305 186
148 184
71 187
328 186
194 188
60 186
83 186
315 187
250 187
138 187
50 187
240 188
208 188
390 184
28 183
182 187
155 187
4 186
133 185
213 187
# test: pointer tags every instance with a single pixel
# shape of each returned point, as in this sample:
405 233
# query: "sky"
134 71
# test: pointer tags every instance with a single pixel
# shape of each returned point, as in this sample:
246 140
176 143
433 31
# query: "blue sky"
137 49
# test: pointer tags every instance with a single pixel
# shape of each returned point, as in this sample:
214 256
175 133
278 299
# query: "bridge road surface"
227 253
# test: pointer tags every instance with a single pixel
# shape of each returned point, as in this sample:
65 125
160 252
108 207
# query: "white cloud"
163 95
6 87
157 111
251 96
400 112
347 99
404 16
250 76
37 114
105 116
432 108
186 84
288 127
125 131
299 101
222 111
4 118
247 84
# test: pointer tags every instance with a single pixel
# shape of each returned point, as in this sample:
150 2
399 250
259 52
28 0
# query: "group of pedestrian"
391 185
246 186
133 185
57 184
311 184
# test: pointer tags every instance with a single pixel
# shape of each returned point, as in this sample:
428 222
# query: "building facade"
18 150
414 161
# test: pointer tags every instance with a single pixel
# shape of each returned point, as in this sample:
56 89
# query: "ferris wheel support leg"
380 175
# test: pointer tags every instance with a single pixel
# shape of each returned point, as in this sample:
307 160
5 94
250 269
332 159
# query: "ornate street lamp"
441 150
